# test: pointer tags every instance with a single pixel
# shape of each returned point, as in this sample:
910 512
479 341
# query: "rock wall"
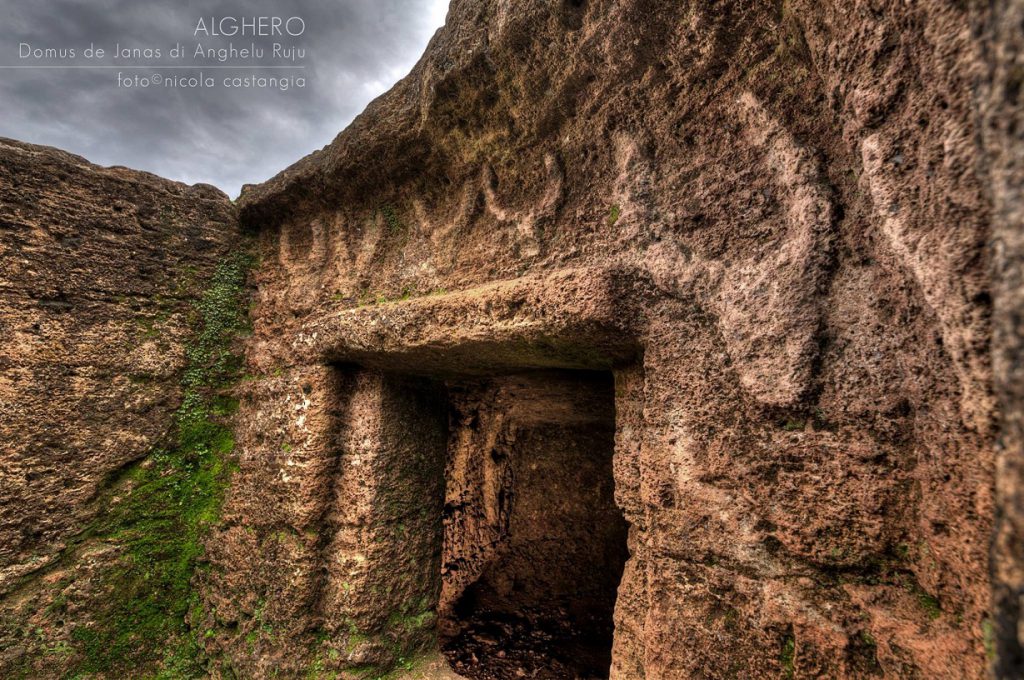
100 272
790 231
769 220
1003 135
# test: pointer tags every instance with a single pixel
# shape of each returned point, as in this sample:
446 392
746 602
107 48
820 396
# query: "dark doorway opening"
534 544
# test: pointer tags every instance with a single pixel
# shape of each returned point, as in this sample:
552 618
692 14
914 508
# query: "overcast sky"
225 136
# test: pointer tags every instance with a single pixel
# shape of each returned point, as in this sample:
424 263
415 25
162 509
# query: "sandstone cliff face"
1003 136
100 270
767 220
644 334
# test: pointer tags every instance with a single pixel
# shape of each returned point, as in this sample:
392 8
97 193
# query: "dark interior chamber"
534 544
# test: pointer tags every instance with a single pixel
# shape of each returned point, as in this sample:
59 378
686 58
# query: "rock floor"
495 646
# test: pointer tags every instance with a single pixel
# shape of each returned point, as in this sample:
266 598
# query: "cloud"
355 50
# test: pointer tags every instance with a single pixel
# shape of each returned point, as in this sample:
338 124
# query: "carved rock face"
767 222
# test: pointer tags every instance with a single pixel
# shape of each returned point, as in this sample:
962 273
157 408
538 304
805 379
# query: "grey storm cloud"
354 51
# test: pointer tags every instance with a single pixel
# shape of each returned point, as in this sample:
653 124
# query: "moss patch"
392 222
175 495
929 603
787 655
988 634
614 213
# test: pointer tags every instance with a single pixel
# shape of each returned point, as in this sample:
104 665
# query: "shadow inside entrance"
534 544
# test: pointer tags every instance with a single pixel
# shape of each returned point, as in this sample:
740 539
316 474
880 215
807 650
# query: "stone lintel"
572 318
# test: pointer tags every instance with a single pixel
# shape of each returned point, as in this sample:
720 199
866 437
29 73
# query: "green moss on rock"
175 496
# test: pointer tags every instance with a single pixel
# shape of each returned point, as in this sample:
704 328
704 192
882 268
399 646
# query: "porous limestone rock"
790 231
768 220
1003 135
100 269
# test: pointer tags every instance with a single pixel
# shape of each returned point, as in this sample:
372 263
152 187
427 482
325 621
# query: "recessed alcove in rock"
475 504
534 545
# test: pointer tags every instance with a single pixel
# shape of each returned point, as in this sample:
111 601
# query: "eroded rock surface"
769 221
790 232
100 270
1004 139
